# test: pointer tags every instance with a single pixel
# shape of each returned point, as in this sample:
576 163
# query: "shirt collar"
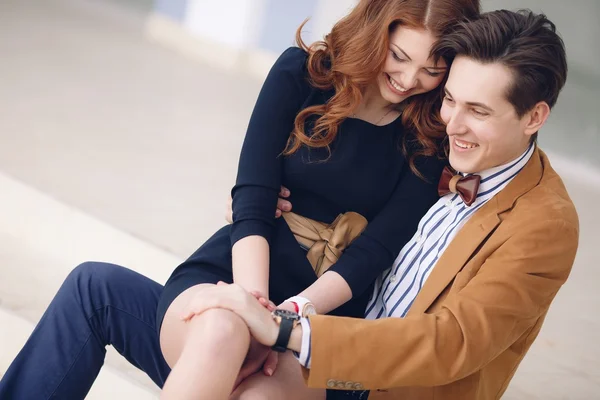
495 179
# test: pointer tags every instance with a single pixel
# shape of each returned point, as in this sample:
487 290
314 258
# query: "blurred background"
120 127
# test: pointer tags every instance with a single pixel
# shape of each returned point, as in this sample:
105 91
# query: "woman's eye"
396 57
434 74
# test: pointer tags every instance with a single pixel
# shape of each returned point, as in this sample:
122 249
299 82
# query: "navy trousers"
98 305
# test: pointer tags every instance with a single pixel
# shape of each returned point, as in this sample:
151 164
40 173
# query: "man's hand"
255 310
282 205
270 363
258 357
233 297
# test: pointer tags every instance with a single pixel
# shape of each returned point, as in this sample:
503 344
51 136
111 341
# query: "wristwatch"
303 306
287 321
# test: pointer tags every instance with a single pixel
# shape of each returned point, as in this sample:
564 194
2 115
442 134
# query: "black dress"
366 173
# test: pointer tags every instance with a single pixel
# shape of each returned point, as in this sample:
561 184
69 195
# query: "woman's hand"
282 205
262 299
233 297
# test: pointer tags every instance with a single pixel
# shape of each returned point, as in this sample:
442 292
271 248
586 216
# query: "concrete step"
42 241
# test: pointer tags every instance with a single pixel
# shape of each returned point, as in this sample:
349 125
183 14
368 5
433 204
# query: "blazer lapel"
475 232
456 255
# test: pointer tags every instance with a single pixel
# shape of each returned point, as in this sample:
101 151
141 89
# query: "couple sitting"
453 276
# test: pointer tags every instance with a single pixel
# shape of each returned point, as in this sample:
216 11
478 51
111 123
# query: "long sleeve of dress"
260 165
376 248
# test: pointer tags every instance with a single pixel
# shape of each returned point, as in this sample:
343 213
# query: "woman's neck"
375 109
372 102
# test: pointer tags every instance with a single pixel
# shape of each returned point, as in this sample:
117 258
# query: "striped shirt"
396 289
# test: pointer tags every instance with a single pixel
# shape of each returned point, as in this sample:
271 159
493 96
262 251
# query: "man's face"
483 128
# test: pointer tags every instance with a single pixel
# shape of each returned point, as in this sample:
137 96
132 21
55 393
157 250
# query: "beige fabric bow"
325 243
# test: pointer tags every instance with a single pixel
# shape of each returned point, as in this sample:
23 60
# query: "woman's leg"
97 305
286 383
206 354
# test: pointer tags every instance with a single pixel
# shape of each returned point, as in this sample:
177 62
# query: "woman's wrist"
250 264
289 306
251 284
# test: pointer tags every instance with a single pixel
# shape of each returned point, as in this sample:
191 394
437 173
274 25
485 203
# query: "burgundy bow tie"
465 186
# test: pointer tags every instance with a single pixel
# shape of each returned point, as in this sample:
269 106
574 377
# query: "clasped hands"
254 308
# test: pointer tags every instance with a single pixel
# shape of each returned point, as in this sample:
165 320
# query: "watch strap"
285 331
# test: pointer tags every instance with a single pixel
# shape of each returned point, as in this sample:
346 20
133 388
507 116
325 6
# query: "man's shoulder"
549 200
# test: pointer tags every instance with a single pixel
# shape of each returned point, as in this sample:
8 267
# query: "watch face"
286 314
309 309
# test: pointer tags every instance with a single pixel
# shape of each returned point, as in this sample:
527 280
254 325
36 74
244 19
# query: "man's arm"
500 303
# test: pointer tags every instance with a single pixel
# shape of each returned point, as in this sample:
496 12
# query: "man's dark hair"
525 42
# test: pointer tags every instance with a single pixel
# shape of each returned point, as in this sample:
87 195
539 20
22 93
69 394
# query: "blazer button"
331 383
341 385
349 386
358 386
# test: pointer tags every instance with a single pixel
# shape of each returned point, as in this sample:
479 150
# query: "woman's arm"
386 235
260 168
377 247
250 261
328 293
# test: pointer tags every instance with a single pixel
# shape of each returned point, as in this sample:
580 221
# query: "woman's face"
408 69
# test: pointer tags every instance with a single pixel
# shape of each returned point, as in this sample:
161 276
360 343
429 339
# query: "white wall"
328 12
231 22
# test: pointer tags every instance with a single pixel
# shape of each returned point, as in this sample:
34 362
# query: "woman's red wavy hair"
353 54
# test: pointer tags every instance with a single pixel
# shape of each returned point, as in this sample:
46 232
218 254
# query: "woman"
365 116
351 103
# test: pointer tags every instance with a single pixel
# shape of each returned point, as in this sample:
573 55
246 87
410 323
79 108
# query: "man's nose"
456 125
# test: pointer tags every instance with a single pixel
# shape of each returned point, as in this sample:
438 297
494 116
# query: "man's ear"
536 118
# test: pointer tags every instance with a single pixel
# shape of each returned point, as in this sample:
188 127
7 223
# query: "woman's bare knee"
214 326
215 332
210 358
219 325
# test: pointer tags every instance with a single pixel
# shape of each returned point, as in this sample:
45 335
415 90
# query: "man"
468 294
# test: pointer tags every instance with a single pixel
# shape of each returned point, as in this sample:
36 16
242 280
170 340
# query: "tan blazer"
479 311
